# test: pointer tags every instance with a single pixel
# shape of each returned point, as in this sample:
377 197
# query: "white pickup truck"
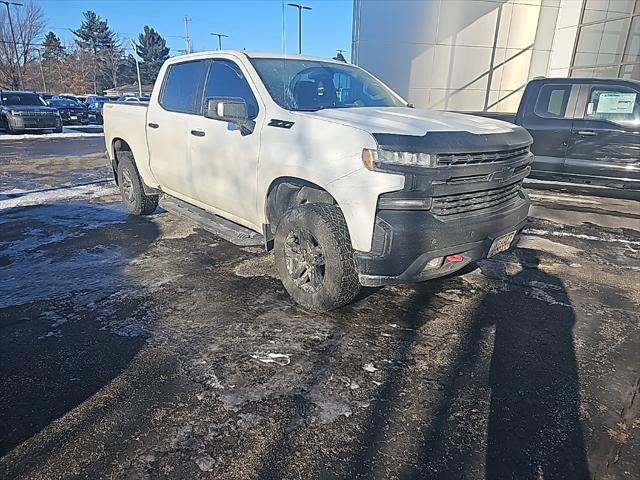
322 162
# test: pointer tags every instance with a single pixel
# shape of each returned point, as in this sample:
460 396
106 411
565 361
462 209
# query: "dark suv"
27 111
72 112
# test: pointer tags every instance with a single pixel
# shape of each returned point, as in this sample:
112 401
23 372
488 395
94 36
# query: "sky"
255 25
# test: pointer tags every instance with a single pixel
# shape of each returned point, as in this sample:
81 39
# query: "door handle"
197 133
153 125
587 133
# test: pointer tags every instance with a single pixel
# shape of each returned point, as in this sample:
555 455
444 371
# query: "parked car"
70 111
586 131
95 110
68 96
132 99
323 163
95 98
27 111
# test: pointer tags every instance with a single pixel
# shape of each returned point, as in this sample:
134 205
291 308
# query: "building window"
608 42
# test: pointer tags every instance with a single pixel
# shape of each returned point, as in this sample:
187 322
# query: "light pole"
13 35
44 84
219 35
135 57
300 8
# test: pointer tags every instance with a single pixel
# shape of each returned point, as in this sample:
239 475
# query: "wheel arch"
118 145
286 192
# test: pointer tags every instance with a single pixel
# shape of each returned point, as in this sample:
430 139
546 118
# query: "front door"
605 143
225 159
168 126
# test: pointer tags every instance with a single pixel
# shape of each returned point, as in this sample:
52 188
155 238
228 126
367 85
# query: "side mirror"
232 110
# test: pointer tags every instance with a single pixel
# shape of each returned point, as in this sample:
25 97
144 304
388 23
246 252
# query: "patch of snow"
205 463
368 367
66 133
581 236
281 359
18 198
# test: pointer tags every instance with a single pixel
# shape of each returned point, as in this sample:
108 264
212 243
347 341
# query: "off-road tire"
326 224
131 190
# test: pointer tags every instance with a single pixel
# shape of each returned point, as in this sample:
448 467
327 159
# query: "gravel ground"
148 348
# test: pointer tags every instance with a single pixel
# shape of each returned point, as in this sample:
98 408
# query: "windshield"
23 99
313 85
63 102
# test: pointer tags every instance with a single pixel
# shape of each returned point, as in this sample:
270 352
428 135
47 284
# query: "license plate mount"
502 243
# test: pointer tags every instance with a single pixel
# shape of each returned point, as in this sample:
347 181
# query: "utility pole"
44 84
13 35
135 56
300 8
219 35
187 38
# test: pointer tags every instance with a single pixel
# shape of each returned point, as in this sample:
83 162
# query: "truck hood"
411 121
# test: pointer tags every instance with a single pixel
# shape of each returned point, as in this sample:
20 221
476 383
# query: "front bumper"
27 123
68 116
405 241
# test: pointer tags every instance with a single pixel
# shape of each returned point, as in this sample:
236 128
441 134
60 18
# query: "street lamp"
135 57
219 35
300 8
13 35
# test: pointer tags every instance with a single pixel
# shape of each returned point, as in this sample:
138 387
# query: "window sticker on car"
616 102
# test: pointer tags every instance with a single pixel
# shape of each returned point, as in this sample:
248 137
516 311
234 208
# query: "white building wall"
458 54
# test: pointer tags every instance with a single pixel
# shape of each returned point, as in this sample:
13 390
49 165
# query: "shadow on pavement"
64 262
533 428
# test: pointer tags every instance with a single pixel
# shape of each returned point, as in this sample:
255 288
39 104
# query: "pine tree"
153 50
96 38
52 49
94 33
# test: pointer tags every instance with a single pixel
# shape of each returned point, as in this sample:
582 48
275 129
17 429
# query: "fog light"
433 263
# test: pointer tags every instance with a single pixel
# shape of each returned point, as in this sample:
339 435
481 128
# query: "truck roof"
289 56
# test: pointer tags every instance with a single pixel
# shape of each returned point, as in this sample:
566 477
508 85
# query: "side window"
183 85
226 80
552 101
619 105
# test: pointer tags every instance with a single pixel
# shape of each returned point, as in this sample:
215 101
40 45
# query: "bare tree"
28 24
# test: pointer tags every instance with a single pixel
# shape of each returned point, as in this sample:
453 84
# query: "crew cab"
586 132
323 163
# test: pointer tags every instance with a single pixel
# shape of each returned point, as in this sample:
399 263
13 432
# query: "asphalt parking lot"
148 348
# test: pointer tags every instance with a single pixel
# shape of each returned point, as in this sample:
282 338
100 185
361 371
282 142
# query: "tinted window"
552 101
226 80
620 105
183 85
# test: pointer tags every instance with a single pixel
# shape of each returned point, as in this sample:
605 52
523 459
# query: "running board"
230 231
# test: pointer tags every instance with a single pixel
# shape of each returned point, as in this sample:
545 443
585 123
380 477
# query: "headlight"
387 159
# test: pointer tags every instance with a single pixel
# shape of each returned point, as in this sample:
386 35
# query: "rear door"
169 125
549 122
605 143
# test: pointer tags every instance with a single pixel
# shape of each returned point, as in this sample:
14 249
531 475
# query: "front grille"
36 114
475 201
39 122
481 157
